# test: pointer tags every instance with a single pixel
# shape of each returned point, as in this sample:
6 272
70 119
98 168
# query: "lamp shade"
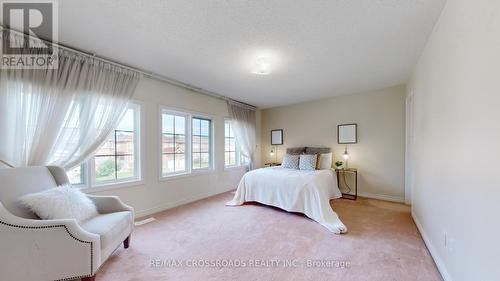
346 154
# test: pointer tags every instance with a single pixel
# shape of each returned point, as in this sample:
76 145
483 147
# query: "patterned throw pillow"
308 161
290 161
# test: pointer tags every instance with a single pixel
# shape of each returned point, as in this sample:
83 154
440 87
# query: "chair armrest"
109 204
54 249
74 229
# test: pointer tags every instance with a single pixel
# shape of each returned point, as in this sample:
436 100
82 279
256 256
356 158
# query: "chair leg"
91 278
126 243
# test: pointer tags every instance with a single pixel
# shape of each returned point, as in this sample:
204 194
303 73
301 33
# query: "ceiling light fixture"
262 66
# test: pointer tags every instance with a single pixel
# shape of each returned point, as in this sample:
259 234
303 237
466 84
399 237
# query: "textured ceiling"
316 48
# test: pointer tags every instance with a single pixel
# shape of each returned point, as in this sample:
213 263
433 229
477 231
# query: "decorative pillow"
62 202
290 161
308 161
325 161
317 158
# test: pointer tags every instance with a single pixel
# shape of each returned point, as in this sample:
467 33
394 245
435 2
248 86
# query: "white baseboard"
170 205
382 197
434 253
145 221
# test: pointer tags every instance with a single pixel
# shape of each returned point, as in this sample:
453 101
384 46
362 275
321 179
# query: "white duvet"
307 192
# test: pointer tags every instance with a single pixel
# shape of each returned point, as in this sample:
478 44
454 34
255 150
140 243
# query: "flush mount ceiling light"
261 61
262 66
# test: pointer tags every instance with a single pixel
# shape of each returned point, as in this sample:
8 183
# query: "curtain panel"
244 126
60 116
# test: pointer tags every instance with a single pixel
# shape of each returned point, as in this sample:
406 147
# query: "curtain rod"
148 74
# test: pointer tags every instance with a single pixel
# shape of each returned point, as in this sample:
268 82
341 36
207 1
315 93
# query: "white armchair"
34 249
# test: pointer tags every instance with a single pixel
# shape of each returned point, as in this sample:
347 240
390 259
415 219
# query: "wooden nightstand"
352 172
272 164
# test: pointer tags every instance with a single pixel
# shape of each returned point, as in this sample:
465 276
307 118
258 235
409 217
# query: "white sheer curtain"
244 126
60 116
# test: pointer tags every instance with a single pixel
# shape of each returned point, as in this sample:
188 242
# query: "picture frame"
347 133
277 137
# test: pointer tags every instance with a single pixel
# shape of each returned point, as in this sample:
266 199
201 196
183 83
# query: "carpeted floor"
206 240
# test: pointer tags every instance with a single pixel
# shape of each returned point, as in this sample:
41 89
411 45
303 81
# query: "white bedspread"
307 192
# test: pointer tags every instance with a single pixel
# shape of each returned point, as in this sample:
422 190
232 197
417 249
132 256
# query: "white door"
409 149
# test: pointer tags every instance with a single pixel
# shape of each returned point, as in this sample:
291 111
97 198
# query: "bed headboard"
295 150
308 150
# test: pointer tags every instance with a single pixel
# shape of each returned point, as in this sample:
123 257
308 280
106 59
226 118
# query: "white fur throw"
62 202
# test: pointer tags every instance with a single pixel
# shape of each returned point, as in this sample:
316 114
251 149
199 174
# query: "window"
186 144
230 145
173 143
244 160
201 143
117 160
232 154
77 175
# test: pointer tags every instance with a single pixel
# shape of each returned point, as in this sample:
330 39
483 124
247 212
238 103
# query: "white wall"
379 154
154 194
456 88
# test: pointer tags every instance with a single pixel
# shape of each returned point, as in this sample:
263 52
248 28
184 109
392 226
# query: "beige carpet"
206 240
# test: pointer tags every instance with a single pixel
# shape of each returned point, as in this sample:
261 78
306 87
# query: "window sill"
203 171
111 186
231 168
187 175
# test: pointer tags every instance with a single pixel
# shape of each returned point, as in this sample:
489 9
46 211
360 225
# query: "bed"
307 192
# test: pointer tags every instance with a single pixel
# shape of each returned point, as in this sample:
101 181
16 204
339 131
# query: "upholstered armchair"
34 249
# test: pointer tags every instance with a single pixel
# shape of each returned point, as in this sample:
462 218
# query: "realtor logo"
29 29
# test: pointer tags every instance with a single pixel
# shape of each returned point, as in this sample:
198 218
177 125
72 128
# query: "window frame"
211 137
89 182
187 141
238 155
83 175
189 135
